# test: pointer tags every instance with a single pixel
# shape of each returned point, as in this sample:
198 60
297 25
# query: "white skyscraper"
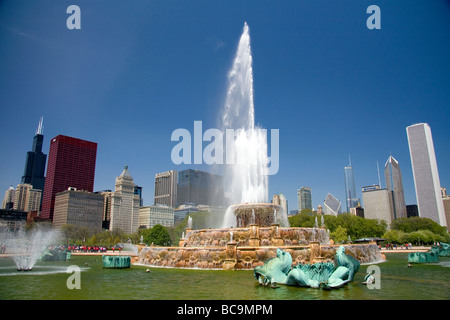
425 172
394 184
124 204
8 201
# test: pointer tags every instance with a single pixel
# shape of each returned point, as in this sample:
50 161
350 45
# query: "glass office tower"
304 198
350 190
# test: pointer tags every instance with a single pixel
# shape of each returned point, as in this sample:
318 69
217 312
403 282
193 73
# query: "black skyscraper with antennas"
35 162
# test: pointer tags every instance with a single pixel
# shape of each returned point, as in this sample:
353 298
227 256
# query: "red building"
71 163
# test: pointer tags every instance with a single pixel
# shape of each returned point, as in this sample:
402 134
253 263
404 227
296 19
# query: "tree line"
347 227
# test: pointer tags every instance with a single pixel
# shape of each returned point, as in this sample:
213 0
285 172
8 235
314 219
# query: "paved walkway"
399 249
109 253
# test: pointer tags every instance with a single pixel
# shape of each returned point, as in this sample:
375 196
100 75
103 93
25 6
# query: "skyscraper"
71 163
8 201
35 161
200 187
425 173
350 190
394 184
304 198
26 198
124 204
166 188
331 205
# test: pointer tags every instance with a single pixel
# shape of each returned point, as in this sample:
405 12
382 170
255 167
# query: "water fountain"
252 229
26 248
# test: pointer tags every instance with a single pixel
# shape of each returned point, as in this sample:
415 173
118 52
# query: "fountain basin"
246 248
237 258
255 235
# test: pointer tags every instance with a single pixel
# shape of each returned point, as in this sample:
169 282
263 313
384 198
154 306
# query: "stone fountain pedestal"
251 244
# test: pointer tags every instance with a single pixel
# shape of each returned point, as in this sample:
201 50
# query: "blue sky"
137 70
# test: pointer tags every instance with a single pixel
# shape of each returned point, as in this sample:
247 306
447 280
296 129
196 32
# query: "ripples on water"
397 282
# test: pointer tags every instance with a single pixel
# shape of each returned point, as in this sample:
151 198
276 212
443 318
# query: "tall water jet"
246 178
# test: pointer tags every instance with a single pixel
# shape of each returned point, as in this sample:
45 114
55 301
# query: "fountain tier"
248 247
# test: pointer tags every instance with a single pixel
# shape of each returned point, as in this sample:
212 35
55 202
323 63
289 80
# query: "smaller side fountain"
443 249
55 254
26 247
116 262
430 256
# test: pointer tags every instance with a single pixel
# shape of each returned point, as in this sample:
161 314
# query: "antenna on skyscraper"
349 161
40 128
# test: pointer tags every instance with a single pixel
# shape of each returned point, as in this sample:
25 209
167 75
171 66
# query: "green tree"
356 227
395 236
417 223
305 219
339 235
157 235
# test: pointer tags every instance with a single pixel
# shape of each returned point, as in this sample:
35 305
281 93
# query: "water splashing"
247 177
27 247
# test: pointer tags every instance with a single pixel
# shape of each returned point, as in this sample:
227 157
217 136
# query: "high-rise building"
166 188
331 205
124 204
394 184
425 173
8 201
350 190
378 204
79 208
107 200
200 187
412 210
26 198
304 198
138 192
35 161
71 163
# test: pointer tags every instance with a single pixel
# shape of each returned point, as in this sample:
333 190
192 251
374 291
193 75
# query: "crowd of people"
76 248
390 246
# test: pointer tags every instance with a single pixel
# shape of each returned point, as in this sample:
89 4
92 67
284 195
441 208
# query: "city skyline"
135 73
